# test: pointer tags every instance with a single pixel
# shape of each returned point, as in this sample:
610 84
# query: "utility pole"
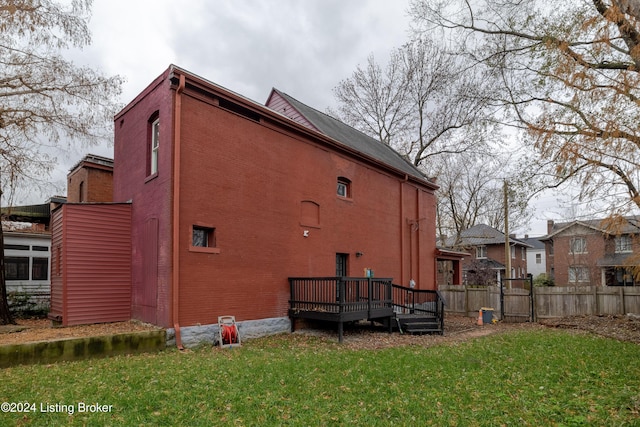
507 248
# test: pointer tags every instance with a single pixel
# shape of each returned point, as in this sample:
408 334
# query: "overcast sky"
302 47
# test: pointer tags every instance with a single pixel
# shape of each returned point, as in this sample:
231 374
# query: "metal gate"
516 300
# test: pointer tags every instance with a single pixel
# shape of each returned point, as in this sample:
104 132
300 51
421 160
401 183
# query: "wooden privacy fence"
548 302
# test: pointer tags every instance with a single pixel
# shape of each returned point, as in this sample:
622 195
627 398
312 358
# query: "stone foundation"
193 336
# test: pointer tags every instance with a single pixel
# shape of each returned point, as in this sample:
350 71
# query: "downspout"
175 283
418 259
402 225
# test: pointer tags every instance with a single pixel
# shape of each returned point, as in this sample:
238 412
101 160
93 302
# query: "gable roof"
349 136
480 235
631 225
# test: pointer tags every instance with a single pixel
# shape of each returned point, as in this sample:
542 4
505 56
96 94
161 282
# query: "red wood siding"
96 245
277 103
57 284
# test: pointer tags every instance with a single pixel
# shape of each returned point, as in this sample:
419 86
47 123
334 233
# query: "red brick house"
596 252
91 180
487 263
229 198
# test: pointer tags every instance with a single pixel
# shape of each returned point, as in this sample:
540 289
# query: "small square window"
203 237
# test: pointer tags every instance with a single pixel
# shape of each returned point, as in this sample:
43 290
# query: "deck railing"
339 294
418 301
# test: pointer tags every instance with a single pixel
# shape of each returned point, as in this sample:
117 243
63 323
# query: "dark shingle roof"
482 234
534 242
630 225
353 138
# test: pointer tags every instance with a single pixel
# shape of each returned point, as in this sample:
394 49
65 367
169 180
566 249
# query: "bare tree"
471 193
570 75
425 103
435 110
46 100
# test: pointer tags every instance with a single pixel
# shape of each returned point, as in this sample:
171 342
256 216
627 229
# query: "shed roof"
351 137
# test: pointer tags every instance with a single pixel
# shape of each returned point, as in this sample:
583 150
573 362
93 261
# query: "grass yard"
535 378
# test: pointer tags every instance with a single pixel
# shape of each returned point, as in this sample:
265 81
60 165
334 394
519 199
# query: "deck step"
423 331
416 324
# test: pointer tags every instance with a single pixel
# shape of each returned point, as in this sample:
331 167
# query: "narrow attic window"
344 187
153 144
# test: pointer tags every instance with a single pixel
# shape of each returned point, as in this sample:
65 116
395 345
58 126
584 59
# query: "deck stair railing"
419 309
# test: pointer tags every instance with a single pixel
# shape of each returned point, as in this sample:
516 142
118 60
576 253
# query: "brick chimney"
549 226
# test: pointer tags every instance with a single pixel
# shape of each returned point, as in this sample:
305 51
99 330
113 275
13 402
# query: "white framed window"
578 274
481 251
538 258
623 244
523 253
513 252
154 146
578 245
344 187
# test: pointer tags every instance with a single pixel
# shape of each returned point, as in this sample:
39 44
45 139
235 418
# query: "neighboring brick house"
594 252
229 198
487 262
91 180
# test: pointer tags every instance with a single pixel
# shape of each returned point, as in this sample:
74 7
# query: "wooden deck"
350 299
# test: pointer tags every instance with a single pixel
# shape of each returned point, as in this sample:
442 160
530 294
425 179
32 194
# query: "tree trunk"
5 314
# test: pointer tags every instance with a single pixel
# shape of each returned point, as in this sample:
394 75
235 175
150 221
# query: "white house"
27 257
536 257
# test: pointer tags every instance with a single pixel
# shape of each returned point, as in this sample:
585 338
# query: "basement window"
203 239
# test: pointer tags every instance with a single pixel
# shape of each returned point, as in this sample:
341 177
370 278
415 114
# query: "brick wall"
255 183
90 182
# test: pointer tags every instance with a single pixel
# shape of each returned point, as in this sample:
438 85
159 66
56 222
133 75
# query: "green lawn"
537 378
